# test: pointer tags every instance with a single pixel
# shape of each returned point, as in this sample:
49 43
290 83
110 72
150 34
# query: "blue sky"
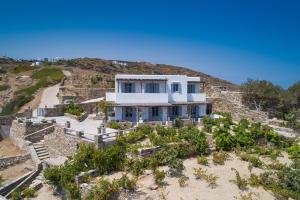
229 39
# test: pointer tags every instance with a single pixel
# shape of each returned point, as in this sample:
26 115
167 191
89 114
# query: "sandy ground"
199 189
7 148
16 171
45 193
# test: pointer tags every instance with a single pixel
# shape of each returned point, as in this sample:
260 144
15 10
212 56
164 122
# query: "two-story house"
156 97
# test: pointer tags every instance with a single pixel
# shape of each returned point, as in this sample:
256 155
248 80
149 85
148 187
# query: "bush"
254 180
196 138
28 192
114 125
220 157
178 123
16 103
74 109
255 161
276 165
202 160
16 196
224 140
239 181
209 178
294 151
104 190
159 176
145 128
54 73
19 69
126 183
4 87
183 181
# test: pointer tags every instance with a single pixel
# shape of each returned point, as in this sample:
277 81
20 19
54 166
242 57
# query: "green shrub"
220 157
54 73
255 161
16 195
28 192
224 140
104 190
183 181
33 89
239 181
126 183
159 176
20 69
145 128
254 180
4 87
203 175
138 167
1 180
195 137
178 123
74 109
276 165
15 104
114 125
202 160
294 151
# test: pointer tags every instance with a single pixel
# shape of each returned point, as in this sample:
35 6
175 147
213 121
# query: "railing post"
99 141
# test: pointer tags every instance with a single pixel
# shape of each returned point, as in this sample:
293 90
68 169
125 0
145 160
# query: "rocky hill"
114 67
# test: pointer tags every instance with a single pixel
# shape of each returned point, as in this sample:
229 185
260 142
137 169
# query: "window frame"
173 86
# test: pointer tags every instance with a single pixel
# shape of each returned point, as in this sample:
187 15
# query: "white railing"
137 97
199 97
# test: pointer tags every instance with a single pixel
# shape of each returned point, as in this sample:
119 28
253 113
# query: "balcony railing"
199 97
152 98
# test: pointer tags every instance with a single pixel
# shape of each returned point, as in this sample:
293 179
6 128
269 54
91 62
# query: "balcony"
138 98
196 97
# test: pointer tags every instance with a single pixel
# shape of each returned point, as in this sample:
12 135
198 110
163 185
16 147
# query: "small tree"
104 106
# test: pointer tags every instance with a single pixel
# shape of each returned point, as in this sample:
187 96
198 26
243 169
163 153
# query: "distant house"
37 63
157 98
122 63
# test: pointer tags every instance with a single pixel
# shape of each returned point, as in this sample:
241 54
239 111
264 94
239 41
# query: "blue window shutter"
160 113
123 87
133 87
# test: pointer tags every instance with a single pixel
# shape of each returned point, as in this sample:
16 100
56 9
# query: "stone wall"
60 144
19 130
231 102
39 135
12 160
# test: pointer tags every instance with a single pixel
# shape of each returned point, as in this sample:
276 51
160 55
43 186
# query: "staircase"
41 150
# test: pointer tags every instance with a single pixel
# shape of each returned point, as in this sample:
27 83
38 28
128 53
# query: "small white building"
157 97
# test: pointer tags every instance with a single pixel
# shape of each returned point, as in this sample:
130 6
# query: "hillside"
110 67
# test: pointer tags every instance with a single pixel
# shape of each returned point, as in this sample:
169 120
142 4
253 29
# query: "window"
175 87
191 88
152 88
175 110
155 111
128 112
128 87
193 110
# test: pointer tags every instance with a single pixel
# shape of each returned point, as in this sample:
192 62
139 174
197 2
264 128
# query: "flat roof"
153 77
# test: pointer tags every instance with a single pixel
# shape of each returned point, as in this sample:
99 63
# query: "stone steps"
41 150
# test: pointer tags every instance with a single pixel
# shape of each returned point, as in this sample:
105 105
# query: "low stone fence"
6 120
80 118
20 183
5 162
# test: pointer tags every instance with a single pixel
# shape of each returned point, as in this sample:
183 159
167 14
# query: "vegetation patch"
20 69
4 87
74 109
14 105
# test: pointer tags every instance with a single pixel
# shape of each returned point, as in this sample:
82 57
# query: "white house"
156 97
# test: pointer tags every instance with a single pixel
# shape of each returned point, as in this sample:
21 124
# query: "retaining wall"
12 160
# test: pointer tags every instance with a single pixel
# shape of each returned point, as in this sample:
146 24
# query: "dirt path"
7 148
